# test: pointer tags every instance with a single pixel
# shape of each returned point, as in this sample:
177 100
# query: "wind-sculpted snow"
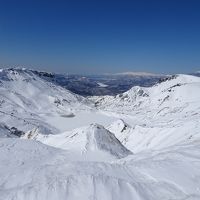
94 140
157 136
31 170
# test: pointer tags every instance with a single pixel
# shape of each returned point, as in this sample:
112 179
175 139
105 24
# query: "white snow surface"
90 140
143 144
32 170
28 101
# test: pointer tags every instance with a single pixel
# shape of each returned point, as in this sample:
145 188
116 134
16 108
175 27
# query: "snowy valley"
143 144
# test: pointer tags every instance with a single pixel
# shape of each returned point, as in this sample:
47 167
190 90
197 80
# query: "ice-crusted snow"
143 144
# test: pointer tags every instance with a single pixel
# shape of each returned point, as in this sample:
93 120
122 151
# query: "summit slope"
170 92
93 140
26 101
160 116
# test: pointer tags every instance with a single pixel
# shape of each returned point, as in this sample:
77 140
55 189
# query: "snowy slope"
173 92
90 140
31 170
159 116
146 148
157 135
6 131
26 100
121 130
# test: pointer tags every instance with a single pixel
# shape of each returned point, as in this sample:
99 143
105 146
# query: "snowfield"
32 170
143 144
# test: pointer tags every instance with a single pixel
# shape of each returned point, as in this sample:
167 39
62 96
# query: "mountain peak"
92 139
181 78
96 138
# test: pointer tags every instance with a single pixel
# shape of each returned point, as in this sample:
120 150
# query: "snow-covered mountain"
93 140
141 144
104 84
26 100
159 116
172 92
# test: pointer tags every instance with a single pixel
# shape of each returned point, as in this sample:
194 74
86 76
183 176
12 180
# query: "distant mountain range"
98 85
107 84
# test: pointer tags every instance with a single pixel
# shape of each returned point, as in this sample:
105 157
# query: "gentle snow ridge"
93 139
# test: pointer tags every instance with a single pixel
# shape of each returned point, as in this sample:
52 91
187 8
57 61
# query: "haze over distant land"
95 37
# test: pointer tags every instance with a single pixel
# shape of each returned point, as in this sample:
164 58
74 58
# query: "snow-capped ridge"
99 138
172 92
85 140
178 79
27 98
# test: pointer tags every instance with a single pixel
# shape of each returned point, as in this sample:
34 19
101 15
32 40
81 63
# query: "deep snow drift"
142 144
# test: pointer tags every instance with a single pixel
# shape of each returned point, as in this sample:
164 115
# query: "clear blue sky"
101 36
